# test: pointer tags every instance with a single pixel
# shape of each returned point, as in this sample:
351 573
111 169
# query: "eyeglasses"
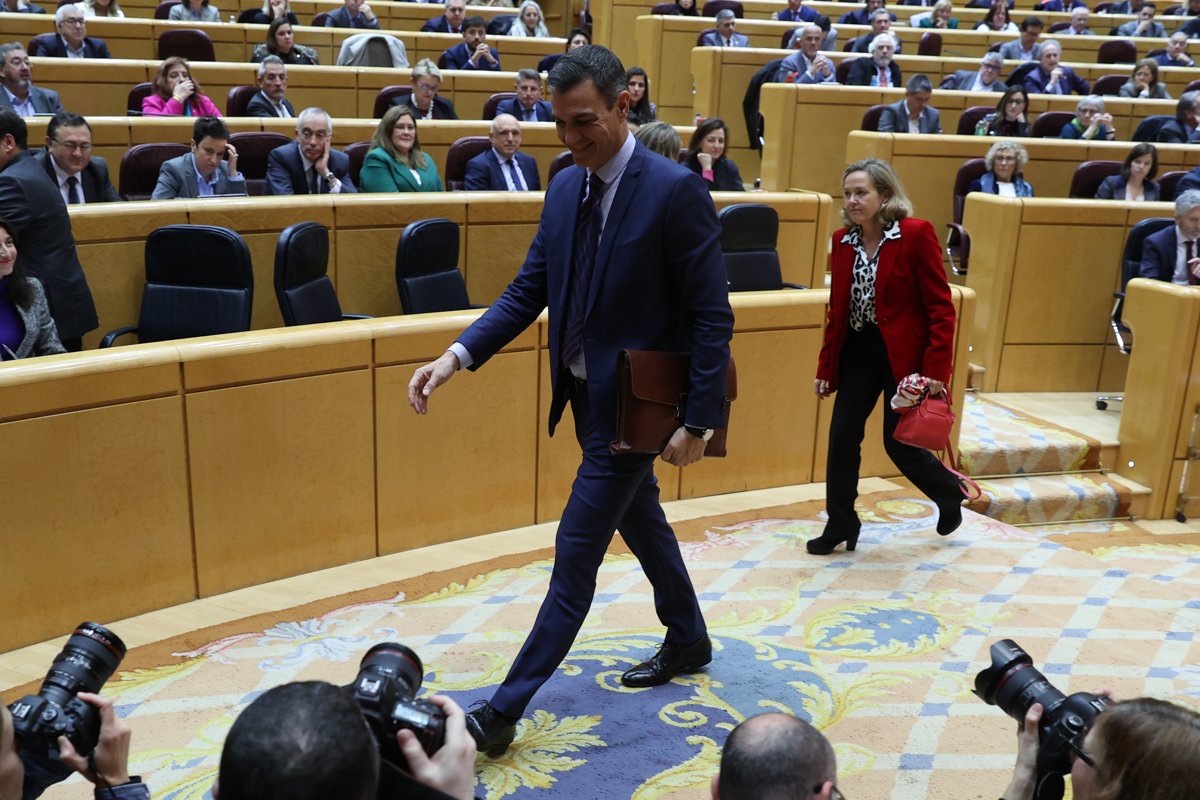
1000 159
428 88
71 147
78 23
990 68
1015 101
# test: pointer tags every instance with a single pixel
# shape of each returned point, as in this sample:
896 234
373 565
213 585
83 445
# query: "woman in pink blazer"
176 94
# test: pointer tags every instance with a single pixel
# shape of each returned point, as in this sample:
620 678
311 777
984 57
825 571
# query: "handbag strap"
963 481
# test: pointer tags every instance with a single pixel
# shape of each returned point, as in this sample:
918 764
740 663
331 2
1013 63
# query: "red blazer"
913 305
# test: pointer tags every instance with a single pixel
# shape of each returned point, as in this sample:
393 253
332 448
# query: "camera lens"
397 661
88 659
1013 683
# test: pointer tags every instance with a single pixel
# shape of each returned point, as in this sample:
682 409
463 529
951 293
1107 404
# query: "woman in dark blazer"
1012 114
890 315
26 327
706 157
1135 181
395 162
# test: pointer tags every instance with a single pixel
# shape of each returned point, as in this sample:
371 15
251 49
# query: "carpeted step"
994 440
1054 498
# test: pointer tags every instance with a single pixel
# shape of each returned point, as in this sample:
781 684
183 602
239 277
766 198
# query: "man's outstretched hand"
428 378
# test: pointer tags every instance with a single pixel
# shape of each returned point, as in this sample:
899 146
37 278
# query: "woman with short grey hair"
1091 121
661 138
1005 160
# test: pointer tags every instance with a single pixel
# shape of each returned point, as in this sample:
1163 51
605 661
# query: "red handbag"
927 425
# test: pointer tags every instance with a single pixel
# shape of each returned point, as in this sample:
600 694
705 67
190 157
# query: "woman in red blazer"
890 315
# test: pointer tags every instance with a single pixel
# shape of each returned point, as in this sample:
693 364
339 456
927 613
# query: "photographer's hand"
1024 778
452 768
112 751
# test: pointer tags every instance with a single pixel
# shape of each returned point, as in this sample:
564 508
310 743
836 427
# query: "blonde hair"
885 180
939 5
266 9
382 138
114 8
426 67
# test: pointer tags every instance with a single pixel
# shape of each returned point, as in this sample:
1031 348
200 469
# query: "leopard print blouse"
862 281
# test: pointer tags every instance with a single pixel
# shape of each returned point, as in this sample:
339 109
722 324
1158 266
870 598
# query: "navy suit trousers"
610 493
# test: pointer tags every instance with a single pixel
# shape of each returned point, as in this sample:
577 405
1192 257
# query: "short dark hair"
11 123
1032 22
1149 5
1139 150
65 119
209 126
787 759
823 22
302 741
593 62
474 22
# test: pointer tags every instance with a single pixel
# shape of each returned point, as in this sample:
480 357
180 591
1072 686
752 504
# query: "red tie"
883 78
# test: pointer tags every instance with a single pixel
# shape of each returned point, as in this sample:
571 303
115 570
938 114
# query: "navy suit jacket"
93 178
513 106
1037 80
260 106
439 25
340 18
285 171
1158 255
484 173
92 48
459 57
864 69
659 283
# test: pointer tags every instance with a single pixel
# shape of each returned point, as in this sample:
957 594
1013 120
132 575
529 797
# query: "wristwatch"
699 433
330 177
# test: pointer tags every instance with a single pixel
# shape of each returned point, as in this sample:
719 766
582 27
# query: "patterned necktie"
883 78
587 237
73 190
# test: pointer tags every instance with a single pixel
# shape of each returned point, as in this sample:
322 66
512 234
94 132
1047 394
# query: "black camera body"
1014 684
385 689
88 659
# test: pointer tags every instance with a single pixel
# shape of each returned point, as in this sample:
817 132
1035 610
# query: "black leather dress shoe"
669 661
492 731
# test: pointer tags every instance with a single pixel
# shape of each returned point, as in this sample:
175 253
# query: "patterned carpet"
878 648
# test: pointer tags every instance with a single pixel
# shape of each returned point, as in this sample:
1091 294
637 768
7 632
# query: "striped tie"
587 236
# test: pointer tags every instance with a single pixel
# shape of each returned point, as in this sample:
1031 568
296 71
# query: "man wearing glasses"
68 160
426 80
987 79
16 83
776 755
72 40
309 165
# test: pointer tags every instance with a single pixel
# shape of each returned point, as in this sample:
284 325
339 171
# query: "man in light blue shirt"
807 65
202 172
16 76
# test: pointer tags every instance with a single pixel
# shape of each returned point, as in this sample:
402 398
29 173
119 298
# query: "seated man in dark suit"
451 21
1049 77
72 40
1182 129
878 69
80 176
474 52
1176 55
202 173
881 22
527 105
726 34
796 12
913 114
503 169
1144 25
16 80
1125 7
19 7
309 165
987 79
1171 254
862 16
355 14
272 85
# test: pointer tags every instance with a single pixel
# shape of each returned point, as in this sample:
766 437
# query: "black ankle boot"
824 544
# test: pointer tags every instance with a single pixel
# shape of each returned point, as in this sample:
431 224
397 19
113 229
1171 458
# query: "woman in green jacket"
396 163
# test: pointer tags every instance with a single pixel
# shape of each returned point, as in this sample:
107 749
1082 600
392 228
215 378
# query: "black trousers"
864 374
73 345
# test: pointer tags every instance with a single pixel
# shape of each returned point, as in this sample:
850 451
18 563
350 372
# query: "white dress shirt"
1181 267
67 46
914 125
23 109
610 174
1004 189
979 85
63 188
520 185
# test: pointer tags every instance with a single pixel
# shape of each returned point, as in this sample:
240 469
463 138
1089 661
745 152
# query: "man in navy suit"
474 52
1050 77
72 40
726 34
503 169
451 21
526 106
309 165
879 69
862 16
1171 254
80 176
272 86
796 12
355 14
16 85
644 272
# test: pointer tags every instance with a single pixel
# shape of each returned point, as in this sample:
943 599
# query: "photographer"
310 741
1140 749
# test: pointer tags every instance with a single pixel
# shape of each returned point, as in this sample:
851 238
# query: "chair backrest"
931 45
37 43
848 47
489 106
1167 184
547 63
306 295
318 20
163 9
787 37
1147 129
357 153
700 36
1017 77
137 94
199 282
441 62
247 15
995 48
870 119
462 151
1158 51
843 70
254 148
500 24
238 99
1049 124
1109 84
970 118
427 268
140 166
189 43
749 235
971 171
1131 258
663 9
383 100
1121 51
1103 8
713 6
1055 27
1089 175
559 163
1192 86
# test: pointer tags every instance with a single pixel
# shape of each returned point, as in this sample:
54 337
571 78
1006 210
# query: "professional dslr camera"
1014 684
386 689
87 661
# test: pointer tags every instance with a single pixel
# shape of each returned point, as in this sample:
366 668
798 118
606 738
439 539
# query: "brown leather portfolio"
652 392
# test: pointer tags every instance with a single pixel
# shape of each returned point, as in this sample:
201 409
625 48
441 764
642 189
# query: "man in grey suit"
1027 48
1144 25
202 173
16 78
807 64
80 176
987 79
30 201
913 114
725 35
